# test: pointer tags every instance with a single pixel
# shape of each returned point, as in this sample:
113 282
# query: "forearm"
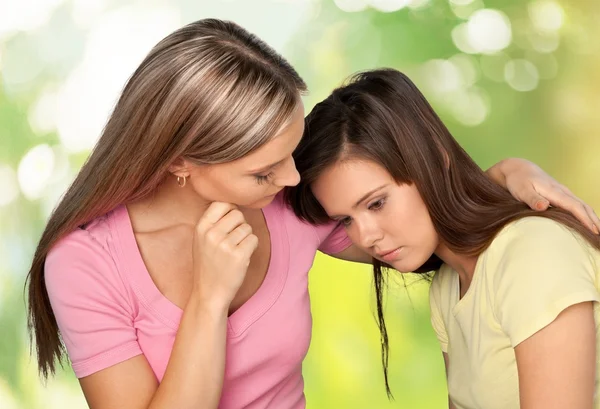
194 375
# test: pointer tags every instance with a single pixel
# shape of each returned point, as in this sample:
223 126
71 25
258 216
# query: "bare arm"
446 363
193 378
557 365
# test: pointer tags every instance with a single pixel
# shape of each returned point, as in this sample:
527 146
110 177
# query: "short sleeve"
437 321
332 238
90 303
544 269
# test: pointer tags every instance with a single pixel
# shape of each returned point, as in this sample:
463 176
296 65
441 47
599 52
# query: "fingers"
592 221
239 234
224 223
594 218
220 219
248 245
538 202
215 212
562 197
229 222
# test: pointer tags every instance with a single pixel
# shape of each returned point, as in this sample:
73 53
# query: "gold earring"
181 181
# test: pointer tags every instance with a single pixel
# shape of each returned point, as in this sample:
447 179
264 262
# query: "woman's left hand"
528 183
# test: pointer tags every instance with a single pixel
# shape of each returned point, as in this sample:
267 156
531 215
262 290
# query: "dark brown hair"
209 92
381 116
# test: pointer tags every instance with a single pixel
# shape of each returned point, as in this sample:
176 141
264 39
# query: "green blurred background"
509 78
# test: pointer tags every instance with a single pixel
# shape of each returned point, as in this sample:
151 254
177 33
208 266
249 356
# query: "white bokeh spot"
43 113
521 75
489 31
35 171
470 107
9 187
442 76
389 6
351 6
546 15
24 15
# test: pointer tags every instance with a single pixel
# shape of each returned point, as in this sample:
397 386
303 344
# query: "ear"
179 168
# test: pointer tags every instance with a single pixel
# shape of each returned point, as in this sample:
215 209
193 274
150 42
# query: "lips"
389 255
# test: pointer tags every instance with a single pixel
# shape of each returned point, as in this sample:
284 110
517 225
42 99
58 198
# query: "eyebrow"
363 198
265 168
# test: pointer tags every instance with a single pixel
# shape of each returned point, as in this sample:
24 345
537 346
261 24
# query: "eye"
377 205
346 221
260 179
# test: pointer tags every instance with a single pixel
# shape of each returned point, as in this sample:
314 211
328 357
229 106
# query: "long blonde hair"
209 92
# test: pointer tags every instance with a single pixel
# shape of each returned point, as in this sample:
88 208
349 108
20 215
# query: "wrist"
216 307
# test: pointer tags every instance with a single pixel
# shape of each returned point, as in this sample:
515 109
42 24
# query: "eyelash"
260 179
375 207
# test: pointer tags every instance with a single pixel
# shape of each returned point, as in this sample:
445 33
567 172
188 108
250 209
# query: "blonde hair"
210 92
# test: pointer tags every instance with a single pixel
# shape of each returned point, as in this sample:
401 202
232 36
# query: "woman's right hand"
223 245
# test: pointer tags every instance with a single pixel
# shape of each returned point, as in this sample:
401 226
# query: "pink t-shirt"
109 310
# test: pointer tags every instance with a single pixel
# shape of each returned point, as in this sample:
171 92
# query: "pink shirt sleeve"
91 304
332 238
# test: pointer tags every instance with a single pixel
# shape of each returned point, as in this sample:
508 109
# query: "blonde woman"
172 270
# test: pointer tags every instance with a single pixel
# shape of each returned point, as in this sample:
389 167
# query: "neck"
462 264
169 205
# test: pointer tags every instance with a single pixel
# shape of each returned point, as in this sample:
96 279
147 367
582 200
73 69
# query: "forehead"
281 146
341 185
352 171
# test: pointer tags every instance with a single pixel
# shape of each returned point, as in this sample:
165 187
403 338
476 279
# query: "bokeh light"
489 31
9 187
35 170
546 15
521 75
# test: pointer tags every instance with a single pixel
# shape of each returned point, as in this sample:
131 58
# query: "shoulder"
536 238
85 255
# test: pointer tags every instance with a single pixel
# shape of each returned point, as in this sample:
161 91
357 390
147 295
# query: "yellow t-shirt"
534 269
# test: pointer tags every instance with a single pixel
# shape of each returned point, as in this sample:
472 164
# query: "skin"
391 222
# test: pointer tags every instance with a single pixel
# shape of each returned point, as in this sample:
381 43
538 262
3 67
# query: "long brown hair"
209 92
381 116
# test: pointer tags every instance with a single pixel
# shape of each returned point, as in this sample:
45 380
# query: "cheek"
427 234
397 222
248 193
408 224
238 191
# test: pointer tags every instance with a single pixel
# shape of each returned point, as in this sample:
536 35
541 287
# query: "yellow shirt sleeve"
437 322
543 268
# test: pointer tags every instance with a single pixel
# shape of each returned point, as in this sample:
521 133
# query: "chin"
407 266
259 204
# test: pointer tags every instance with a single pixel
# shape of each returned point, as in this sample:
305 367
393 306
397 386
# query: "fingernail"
541 204
595 228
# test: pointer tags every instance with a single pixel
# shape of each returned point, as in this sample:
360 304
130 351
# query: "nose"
369 232
288 176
